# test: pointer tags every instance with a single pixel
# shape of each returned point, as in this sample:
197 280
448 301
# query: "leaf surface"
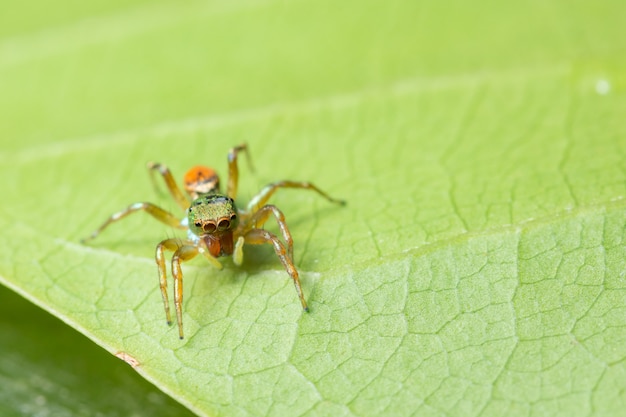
478 268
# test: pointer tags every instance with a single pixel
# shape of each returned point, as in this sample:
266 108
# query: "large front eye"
223 224
209 227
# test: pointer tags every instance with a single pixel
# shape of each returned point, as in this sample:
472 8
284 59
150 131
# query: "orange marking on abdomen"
199 173
201 180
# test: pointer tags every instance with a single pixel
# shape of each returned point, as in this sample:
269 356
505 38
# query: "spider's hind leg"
172 187
233 169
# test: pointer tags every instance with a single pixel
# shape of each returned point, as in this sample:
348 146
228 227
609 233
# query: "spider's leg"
172 187
172 245
264 195
183 251
258 219
233 169
157 212
260 237
182 254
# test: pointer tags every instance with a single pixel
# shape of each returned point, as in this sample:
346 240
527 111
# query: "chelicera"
215 226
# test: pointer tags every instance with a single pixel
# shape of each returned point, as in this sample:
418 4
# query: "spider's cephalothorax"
215 227
212 218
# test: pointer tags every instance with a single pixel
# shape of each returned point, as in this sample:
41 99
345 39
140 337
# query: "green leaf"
47 368
478 268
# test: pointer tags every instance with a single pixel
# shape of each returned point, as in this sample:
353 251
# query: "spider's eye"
209 227
233 217
198 224
223 224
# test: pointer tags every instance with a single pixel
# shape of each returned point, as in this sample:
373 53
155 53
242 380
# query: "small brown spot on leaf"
128 359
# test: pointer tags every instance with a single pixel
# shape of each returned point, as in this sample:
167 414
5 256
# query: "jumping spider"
215 226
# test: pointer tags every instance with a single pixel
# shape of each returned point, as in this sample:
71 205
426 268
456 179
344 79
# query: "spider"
215 226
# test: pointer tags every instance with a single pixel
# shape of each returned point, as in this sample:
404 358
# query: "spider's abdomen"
201 180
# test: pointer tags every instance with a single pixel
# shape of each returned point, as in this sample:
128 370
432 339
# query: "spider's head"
201 180
212 214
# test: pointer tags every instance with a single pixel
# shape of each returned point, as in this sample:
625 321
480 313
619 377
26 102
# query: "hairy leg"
260 237
155 211
261 216
172 187
233 169
264 195
184 253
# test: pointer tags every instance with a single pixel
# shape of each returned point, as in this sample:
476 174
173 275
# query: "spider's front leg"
155 211
260 217
183 251
260 237
171 245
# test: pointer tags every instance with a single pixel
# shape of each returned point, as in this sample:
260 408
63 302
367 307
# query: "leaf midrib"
337 101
